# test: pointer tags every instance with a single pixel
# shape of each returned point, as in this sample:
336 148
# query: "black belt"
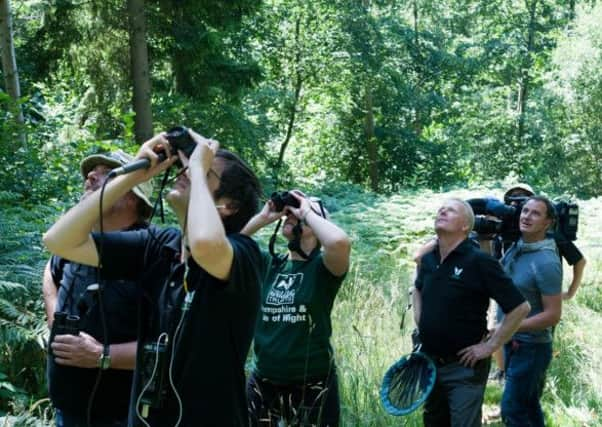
444 360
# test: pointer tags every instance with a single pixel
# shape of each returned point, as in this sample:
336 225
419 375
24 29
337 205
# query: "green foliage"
449 94
22 326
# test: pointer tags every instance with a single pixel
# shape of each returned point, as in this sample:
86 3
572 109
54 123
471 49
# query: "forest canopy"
384 94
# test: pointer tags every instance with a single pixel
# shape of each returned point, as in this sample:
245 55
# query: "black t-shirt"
69 387
455 296
213 340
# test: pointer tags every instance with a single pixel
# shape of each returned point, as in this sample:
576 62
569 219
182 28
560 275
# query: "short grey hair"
468 213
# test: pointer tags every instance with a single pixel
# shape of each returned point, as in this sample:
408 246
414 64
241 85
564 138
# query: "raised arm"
205 233
70 237
335 242
266 216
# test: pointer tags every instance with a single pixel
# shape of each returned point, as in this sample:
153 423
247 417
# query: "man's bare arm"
50 293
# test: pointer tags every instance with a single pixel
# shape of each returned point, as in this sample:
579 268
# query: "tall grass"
367 314
366 319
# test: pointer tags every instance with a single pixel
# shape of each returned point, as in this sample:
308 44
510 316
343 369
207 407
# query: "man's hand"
150 150
469 356
204 152
81 351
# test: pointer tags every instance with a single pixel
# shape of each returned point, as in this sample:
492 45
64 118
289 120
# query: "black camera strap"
295 244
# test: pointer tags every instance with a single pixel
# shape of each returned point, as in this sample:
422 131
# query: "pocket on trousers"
521 360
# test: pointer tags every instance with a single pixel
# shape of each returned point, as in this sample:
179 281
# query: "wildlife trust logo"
457 272
284 288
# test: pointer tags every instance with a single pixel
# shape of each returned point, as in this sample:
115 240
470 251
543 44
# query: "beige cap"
524 187
115 159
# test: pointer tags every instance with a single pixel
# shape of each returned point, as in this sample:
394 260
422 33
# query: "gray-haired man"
451 296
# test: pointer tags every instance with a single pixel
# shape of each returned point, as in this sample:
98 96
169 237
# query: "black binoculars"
179 139
282 199
64 324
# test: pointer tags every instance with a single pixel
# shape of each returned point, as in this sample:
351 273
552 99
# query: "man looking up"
567 249
451 296
199 284
73 361
535 268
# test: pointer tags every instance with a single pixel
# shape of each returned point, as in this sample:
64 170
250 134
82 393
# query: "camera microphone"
134 166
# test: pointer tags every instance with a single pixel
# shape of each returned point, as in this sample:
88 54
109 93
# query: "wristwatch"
104 361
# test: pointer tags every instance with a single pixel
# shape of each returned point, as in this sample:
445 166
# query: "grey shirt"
536 271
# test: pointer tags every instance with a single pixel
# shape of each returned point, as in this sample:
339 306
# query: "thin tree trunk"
369 136
523 86
370 139
296 95
143 122
9 62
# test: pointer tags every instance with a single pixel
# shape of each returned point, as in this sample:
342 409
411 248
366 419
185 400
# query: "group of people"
166 316
457 276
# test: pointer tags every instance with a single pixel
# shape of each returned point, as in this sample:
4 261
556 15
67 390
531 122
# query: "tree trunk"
296 96
523 86
370 139
143 122
9 62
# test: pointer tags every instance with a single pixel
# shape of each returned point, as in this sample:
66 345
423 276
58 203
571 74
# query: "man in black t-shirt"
72 288
452 291
199 284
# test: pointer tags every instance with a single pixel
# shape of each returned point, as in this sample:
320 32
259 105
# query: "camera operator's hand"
204 152
81 351
150 150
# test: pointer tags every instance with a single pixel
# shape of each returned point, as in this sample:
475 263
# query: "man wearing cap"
90 375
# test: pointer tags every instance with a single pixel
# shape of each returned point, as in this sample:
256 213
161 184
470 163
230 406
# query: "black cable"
101 311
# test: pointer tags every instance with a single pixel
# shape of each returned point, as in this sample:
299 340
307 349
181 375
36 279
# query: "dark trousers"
65 419
526 365
457 397
314 403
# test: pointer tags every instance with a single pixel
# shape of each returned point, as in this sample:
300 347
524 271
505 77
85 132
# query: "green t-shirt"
292 338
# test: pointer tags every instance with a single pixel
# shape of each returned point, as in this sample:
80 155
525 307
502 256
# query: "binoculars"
282 199
180 139
64 324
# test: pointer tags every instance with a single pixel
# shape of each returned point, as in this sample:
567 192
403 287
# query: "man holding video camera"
452 290
71 289
516 195
535 268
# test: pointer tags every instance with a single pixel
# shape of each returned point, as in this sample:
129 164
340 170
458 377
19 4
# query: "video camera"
508 216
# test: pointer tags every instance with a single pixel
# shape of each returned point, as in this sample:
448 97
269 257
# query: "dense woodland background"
382 107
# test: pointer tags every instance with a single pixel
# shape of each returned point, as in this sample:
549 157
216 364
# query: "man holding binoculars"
77 347
198 285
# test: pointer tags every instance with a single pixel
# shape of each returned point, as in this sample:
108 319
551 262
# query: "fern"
22 319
